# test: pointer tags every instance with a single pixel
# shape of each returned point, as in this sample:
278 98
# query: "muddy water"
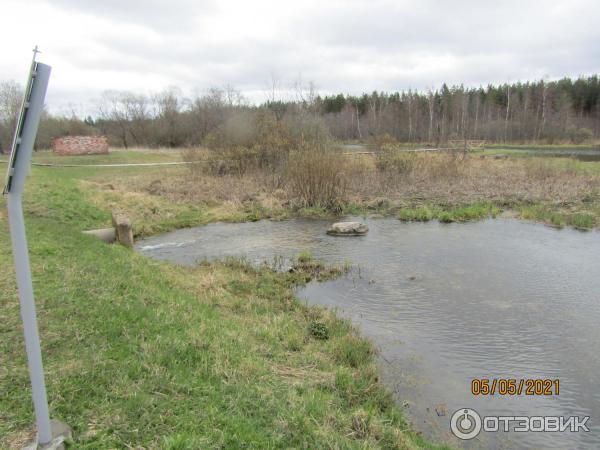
449 303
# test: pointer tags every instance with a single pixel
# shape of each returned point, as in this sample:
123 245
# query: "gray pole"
31 111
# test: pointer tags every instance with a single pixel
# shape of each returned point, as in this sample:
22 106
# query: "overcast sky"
348 46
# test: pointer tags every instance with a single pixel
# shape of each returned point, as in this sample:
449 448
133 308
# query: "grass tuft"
474 211
319 330
353 351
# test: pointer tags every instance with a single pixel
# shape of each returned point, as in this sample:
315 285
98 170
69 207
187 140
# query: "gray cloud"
174 16
343 46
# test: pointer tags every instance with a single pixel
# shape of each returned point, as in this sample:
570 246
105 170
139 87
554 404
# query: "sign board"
19 129
18 167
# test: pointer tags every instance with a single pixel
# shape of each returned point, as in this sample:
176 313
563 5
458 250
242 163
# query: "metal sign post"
22 147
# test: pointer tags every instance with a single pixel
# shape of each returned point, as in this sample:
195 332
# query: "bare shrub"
540 169
383 140
315 179
194 155
235 161
580 135
392 160
443 166
397 167
261 140
361 176
233 148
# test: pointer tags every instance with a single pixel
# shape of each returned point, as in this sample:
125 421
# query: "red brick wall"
80 145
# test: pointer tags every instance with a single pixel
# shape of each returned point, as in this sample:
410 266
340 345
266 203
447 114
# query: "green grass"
114 157
548 214
145 354
552 216
582 221
475 211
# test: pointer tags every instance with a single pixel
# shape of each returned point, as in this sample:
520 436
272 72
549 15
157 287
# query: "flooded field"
446 304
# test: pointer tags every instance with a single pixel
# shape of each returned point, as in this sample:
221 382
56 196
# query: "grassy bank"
145 354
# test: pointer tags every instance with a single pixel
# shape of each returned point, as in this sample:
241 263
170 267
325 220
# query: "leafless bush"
543 168
316 179
392 160
444 166
398 166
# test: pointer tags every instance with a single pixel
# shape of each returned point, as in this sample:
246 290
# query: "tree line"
566 110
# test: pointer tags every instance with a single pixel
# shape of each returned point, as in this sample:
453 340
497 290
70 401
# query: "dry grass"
331 181
445 179
18 439
302 375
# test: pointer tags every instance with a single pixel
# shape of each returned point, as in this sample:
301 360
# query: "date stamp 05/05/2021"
515 386
467 423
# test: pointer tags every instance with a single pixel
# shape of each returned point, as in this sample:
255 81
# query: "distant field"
116 156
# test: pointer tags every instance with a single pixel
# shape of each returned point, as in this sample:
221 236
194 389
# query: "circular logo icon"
465 423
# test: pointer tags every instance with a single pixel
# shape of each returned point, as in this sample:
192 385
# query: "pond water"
573 153
581 154
446 303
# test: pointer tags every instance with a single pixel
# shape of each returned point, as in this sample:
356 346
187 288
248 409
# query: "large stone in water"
348 229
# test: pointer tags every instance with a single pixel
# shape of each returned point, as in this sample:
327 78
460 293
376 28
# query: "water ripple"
448 303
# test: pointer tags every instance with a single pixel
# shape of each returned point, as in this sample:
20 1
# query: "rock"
124 232
61 432
348 229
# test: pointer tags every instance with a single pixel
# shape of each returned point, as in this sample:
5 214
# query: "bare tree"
544 97
11 95
169 104
431 105
507 112
409 104
120 112
477 101
273 87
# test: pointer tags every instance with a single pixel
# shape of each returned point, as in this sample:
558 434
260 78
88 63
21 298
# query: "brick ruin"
80 145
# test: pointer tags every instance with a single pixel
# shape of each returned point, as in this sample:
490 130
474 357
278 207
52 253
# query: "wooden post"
123 230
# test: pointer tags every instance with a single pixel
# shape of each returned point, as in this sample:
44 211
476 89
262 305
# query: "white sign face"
17 137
